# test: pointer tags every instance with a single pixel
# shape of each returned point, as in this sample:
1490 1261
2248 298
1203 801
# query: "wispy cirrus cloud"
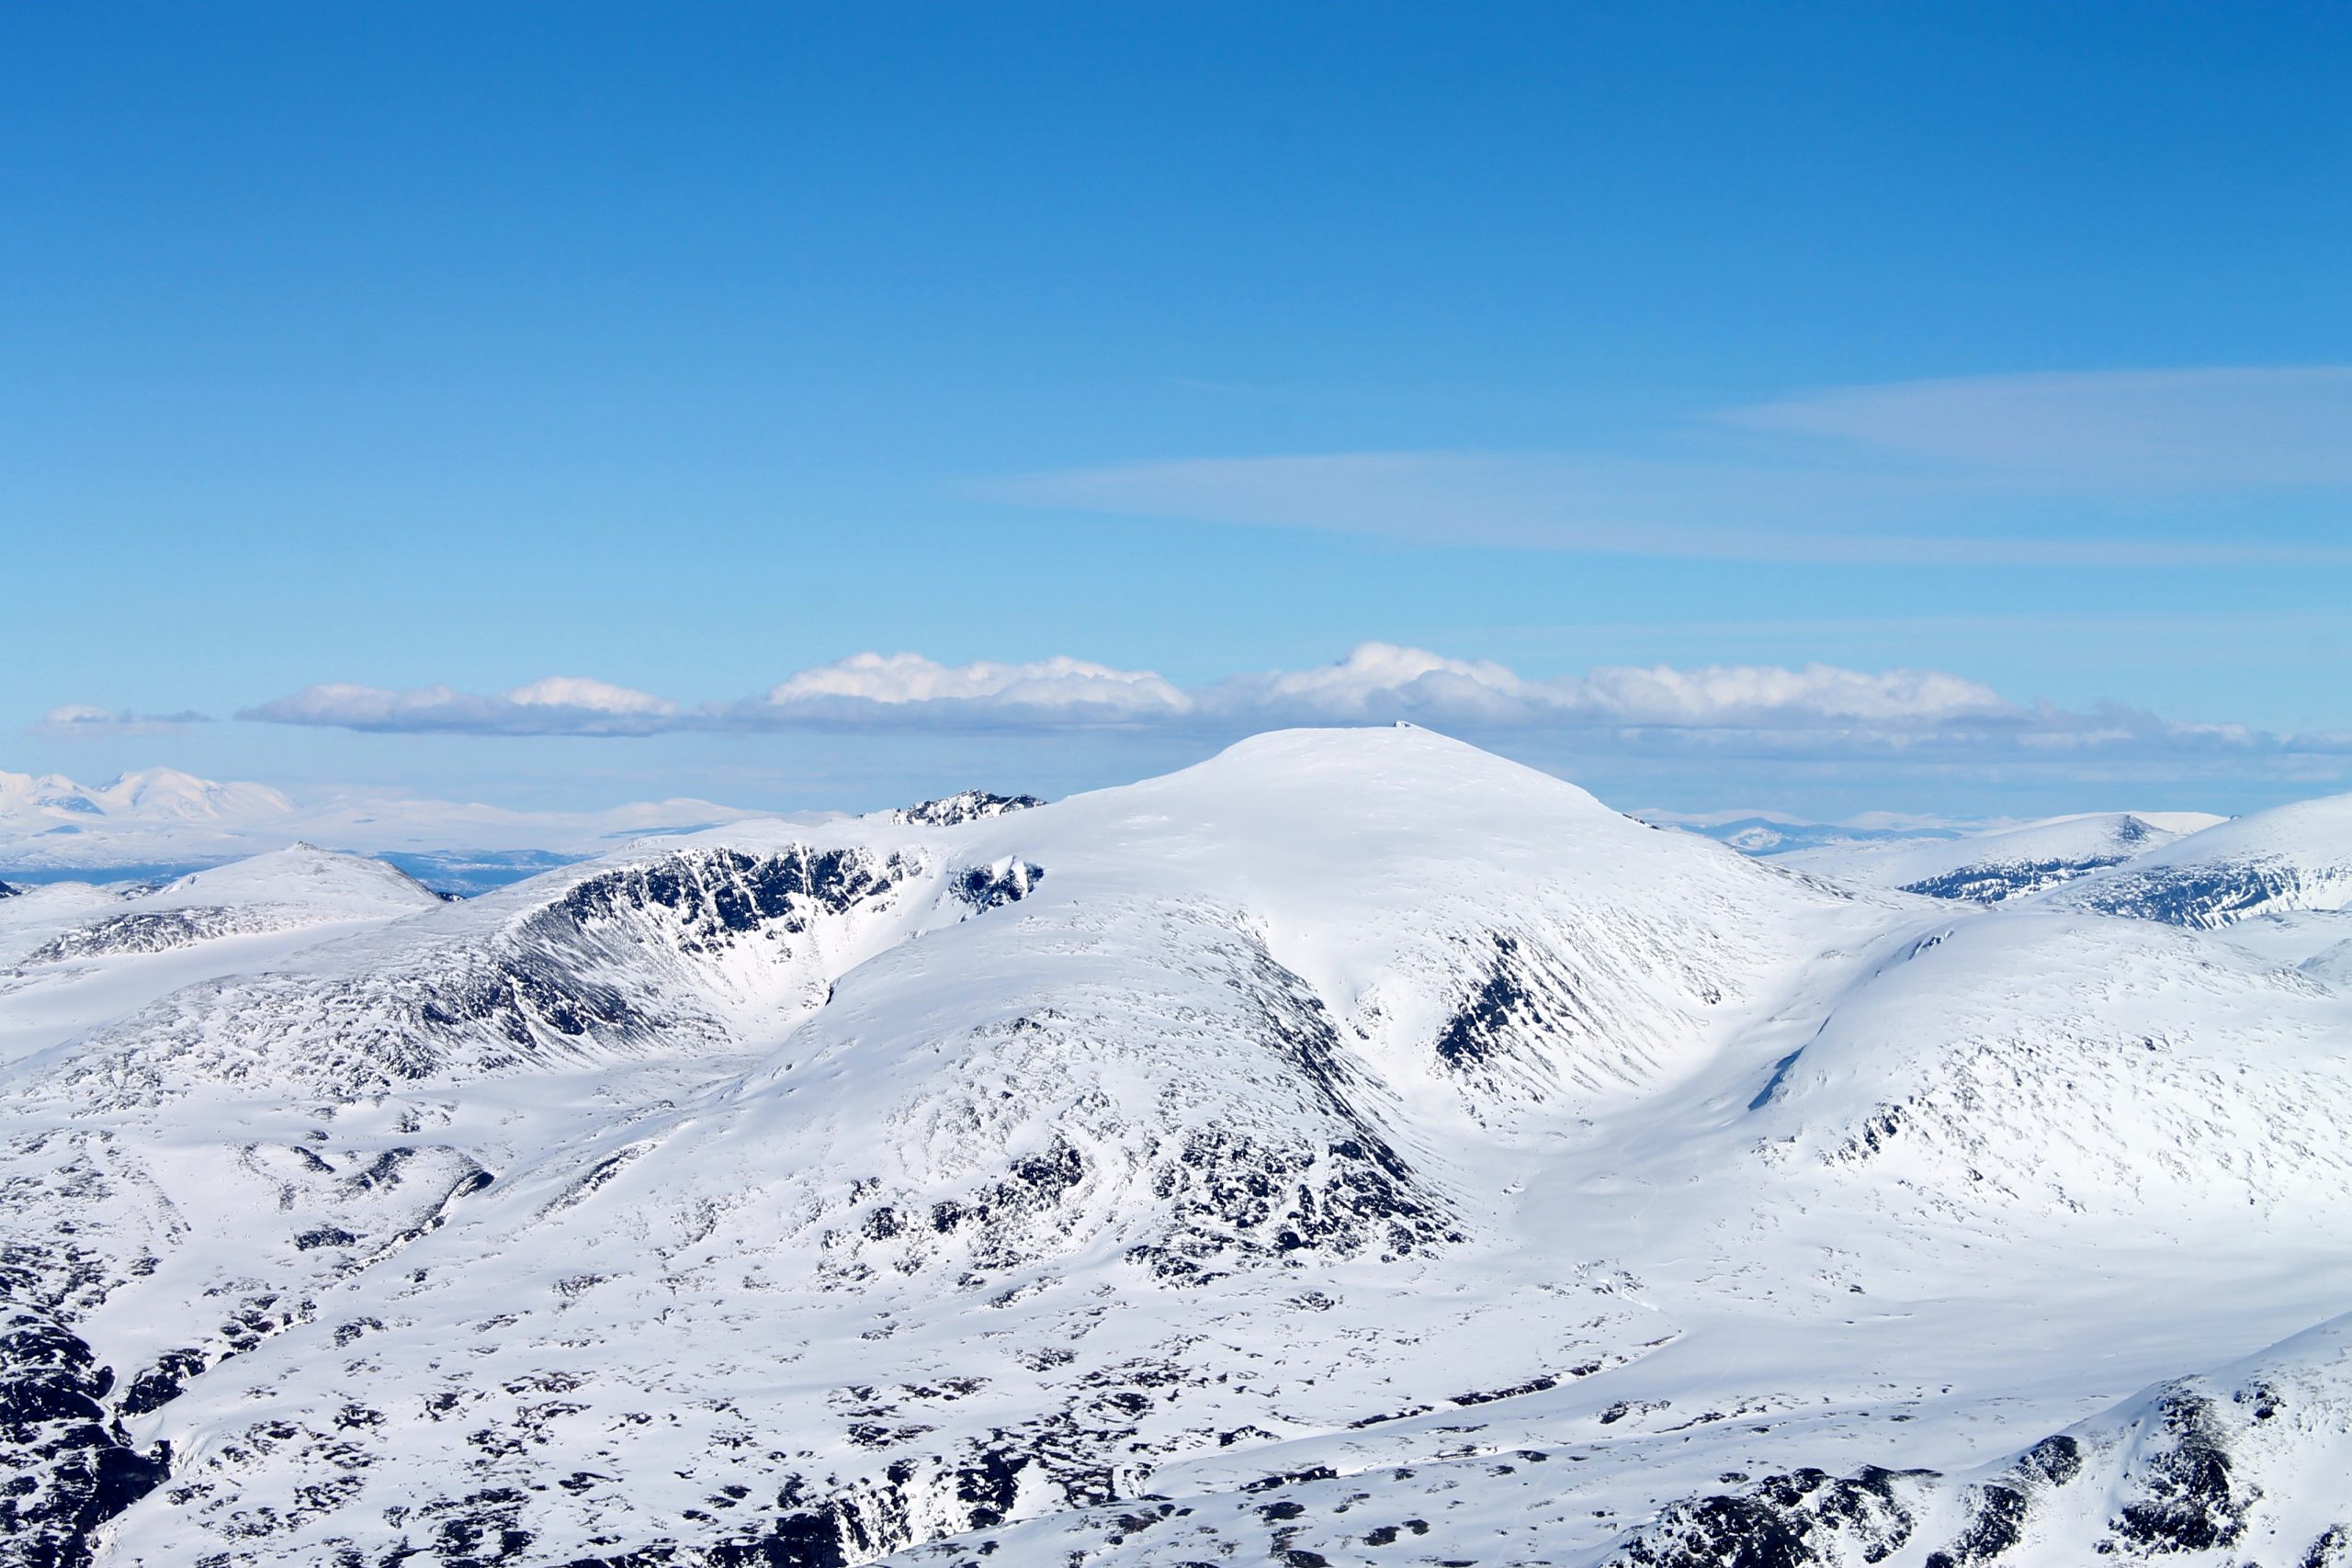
1816 709
2151 469
89 721
2227 428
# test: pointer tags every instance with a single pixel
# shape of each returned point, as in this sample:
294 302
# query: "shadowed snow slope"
1355 1148
2292 857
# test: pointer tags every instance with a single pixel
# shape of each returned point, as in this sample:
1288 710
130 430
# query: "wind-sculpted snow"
1355 1149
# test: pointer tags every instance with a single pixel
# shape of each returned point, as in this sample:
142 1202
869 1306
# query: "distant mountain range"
161 822
53 804
1769 833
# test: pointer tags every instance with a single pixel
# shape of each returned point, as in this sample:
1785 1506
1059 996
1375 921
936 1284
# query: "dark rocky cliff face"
967 806
69 1468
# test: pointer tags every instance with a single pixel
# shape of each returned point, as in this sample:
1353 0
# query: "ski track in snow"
1354 1149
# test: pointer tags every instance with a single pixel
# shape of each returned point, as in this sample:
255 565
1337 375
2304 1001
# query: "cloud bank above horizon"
1763 709
1704 737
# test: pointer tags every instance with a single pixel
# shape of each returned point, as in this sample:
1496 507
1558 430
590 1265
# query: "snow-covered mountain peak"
1282 814
2180 822
1373 768
301 874
23 789
1355 1148
73 955
42 820
166 792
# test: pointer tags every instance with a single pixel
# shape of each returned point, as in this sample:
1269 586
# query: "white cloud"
558 704
587 695
874 687
1817 710
1380 682
1766 694
84 719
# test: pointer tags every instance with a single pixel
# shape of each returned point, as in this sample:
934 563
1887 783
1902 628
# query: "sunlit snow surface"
1354 1149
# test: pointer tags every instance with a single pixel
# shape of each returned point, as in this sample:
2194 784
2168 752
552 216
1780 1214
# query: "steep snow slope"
1988 868
1521 1183
2292 857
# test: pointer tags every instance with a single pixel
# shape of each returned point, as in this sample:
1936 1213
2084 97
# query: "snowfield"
1354 1149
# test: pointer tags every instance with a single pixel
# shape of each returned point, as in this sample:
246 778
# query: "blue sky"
416 346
